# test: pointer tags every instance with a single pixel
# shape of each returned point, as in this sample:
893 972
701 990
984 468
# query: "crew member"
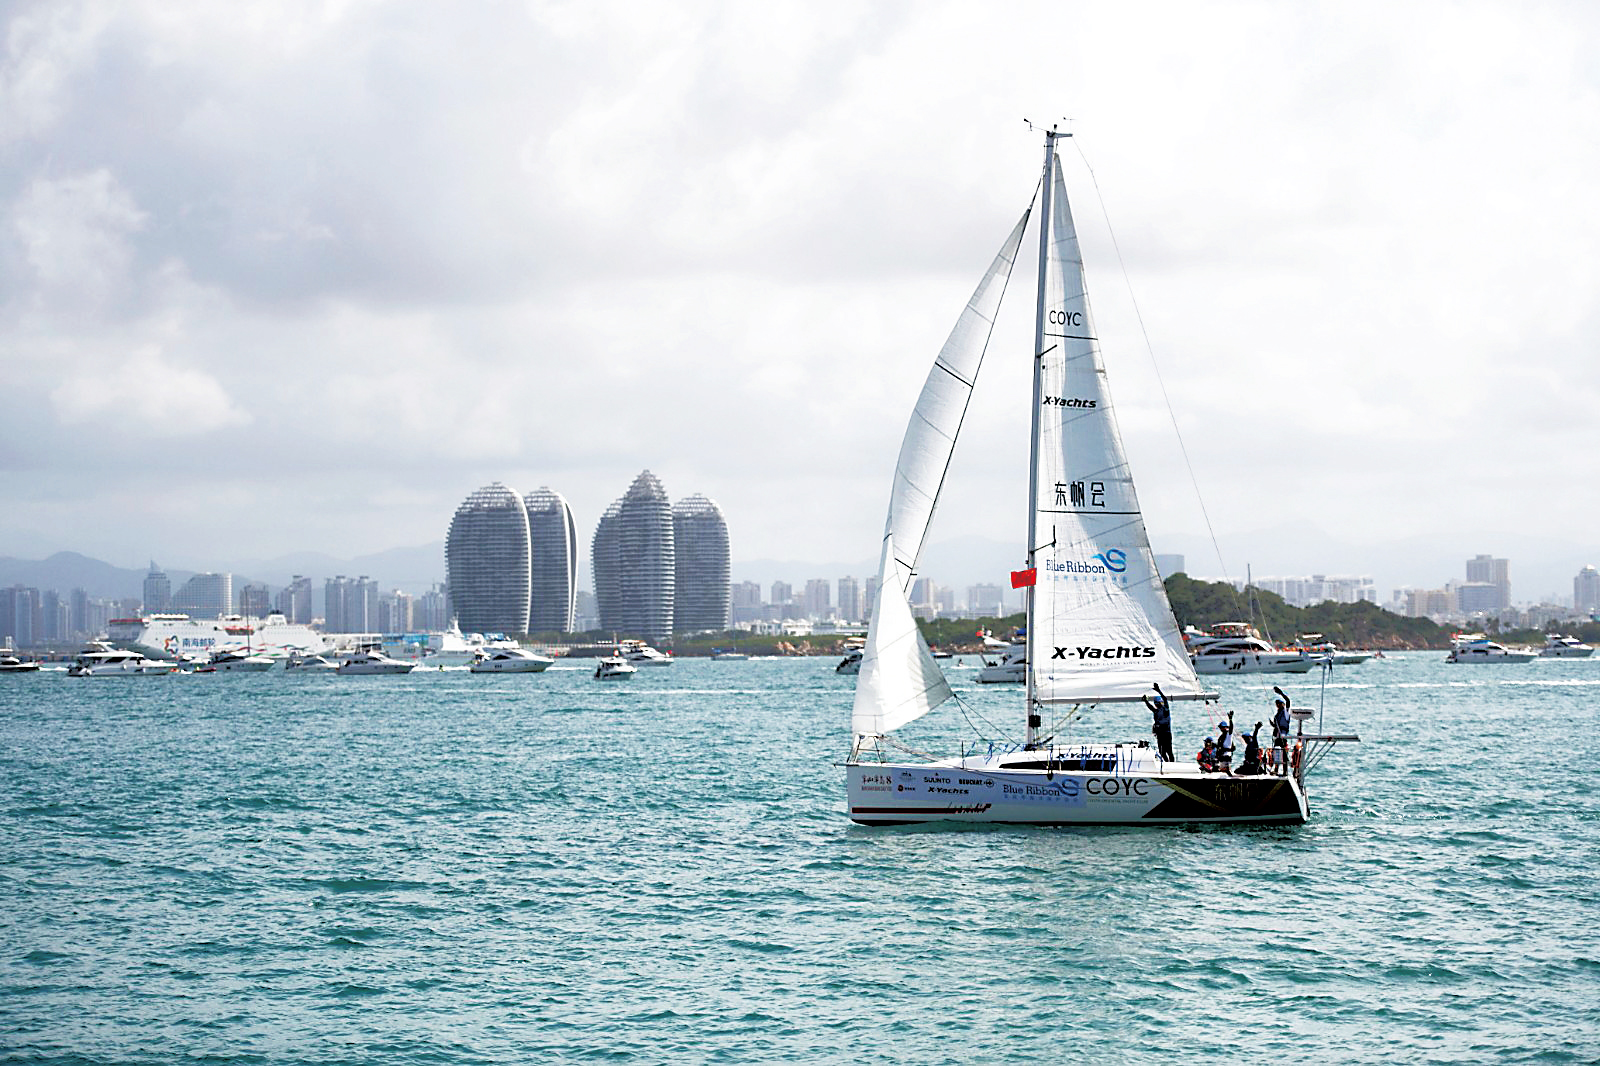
1225 745
1280 733
1161 713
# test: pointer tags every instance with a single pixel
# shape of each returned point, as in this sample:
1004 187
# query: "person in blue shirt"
1161 713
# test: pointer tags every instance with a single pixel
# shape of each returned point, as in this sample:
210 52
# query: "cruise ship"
177 636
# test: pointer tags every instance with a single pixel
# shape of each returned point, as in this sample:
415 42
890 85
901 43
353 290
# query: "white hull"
1003 672
1253 663
188 638
253 664
1566 653
613 670
142 668
375 664
903 794
513 664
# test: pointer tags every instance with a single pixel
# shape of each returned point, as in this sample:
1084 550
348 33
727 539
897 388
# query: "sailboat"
1100 632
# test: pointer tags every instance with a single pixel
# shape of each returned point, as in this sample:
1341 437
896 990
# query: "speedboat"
300 661
231 659
727 655
100 659
10 664
1483 650
509 661
851 663
614 668
639 653
1559 647
1012 665
372 661
1236 648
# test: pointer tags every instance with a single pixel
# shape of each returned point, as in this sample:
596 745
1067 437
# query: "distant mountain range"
1542 565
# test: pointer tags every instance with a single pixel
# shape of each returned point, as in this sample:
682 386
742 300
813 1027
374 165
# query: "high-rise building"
986 600
255 601
701 563
553 564
1487 570
205 596
19 610
634 563
782 594
333 597
745 602
1586 590
294 601
488 561
432 611
819 598
157 590
849 599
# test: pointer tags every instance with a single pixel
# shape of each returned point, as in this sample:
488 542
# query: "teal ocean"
451 868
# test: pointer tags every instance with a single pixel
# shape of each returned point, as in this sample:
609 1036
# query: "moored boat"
100 659
1237 648
373 661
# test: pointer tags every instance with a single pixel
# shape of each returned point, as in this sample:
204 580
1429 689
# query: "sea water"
455 868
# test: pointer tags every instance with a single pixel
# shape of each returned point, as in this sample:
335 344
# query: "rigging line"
1150 349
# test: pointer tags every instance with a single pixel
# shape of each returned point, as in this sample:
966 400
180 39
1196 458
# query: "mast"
1031 737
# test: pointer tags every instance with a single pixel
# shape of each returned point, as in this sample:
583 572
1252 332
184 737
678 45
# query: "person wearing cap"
1161 713
1252 753
1207 758
1225 745
1280 733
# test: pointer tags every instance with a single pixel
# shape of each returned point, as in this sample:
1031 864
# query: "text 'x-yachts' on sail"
1100 632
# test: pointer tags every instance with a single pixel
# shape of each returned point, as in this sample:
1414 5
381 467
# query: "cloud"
146 395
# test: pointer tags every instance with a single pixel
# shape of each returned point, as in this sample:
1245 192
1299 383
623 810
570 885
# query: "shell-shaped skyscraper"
488 559
700 543
634 563
554 539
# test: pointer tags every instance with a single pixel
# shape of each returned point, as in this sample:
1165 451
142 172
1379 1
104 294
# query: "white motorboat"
851 663
1236 648
100 659
639 653
1316 647
509 661
1011 666
1484 650
373 661
727 655
1100 632
304 662
11 664
614 668
231 660
1559 647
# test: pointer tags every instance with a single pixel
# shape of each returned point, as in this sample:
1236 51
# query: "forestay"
899 680
1101 627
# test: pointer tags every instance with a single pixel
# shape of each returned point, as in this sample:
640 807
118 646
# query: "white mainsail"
899 680
1101 627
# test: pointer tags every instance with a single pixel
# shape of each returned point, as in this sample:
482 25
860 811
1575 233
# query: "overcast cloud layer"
279 276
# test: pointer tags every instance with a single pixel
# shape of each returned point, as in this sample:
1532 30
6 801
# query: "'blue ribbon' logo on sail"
1115 560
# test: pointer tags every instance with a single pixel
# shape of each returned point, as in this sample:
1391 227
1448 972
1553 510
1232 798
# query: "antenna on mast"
1055 127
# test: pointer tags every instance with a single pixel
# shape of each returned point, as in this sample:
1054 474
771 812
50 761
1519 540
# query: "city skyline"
1337 276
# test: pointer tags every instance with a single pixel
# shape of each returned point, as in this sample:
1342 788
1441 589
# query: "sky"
289 276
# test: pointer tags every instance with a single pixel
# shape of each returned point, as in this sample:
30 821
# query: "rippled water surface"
449 868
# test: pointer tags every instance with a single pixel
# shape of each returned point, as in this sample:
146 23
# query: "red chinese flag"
1024 578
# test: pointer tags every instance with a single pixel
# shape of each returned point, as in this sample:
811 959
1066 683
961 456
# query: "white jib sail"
1102 628
899 680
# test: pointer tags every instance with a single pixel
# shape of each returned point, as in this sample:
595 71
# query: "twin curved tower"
659 568
512 563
